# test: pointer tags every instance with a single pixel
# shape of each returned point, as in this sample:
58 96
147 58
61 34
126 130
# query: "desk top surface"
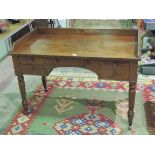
93 43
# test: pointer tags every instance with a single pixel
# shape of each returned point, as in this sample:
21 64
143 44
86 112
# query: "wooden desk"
109 53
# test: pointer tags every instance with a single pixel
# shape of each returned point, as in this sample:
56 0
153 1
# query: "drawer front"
32 69
110 73
109 63
64 62
51 61
30 60
120 74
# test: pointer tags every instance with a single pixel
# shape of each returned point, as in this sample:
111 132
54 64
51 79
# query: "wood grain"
78 43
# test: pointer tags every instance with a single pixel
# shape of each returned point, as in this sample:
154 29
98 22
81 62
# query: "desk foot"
44 81
132 92
130 118
25 106
130 127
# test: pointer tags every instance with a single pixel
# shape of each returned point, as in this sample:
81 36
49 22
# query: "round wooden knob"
115 63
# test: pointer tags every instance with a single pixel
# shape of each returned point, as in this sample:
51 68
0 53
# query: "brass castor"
130 127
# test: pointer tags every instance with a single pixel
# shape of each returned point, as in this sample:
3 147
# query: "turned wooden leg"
44 81
132 92
21 84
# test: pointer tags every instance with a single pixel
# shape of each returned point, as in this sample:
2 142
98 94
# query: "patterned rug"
74 107
149 97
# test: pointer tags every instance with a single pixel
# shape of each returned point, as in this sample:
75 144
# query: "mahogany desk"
111 54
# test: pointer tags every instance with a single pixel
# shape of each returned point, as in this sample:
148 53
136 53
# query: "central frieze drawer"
64 62
31 60
69 62
32 69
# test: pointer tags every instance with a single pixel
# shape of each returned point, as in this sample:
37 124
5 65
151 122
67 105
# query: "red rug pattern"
20 123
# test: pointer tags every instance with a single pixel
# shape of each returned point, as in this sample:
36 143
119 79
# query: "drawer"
51 61
111 74
64 62
32 69
109 64
30 60
72 62
121 74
